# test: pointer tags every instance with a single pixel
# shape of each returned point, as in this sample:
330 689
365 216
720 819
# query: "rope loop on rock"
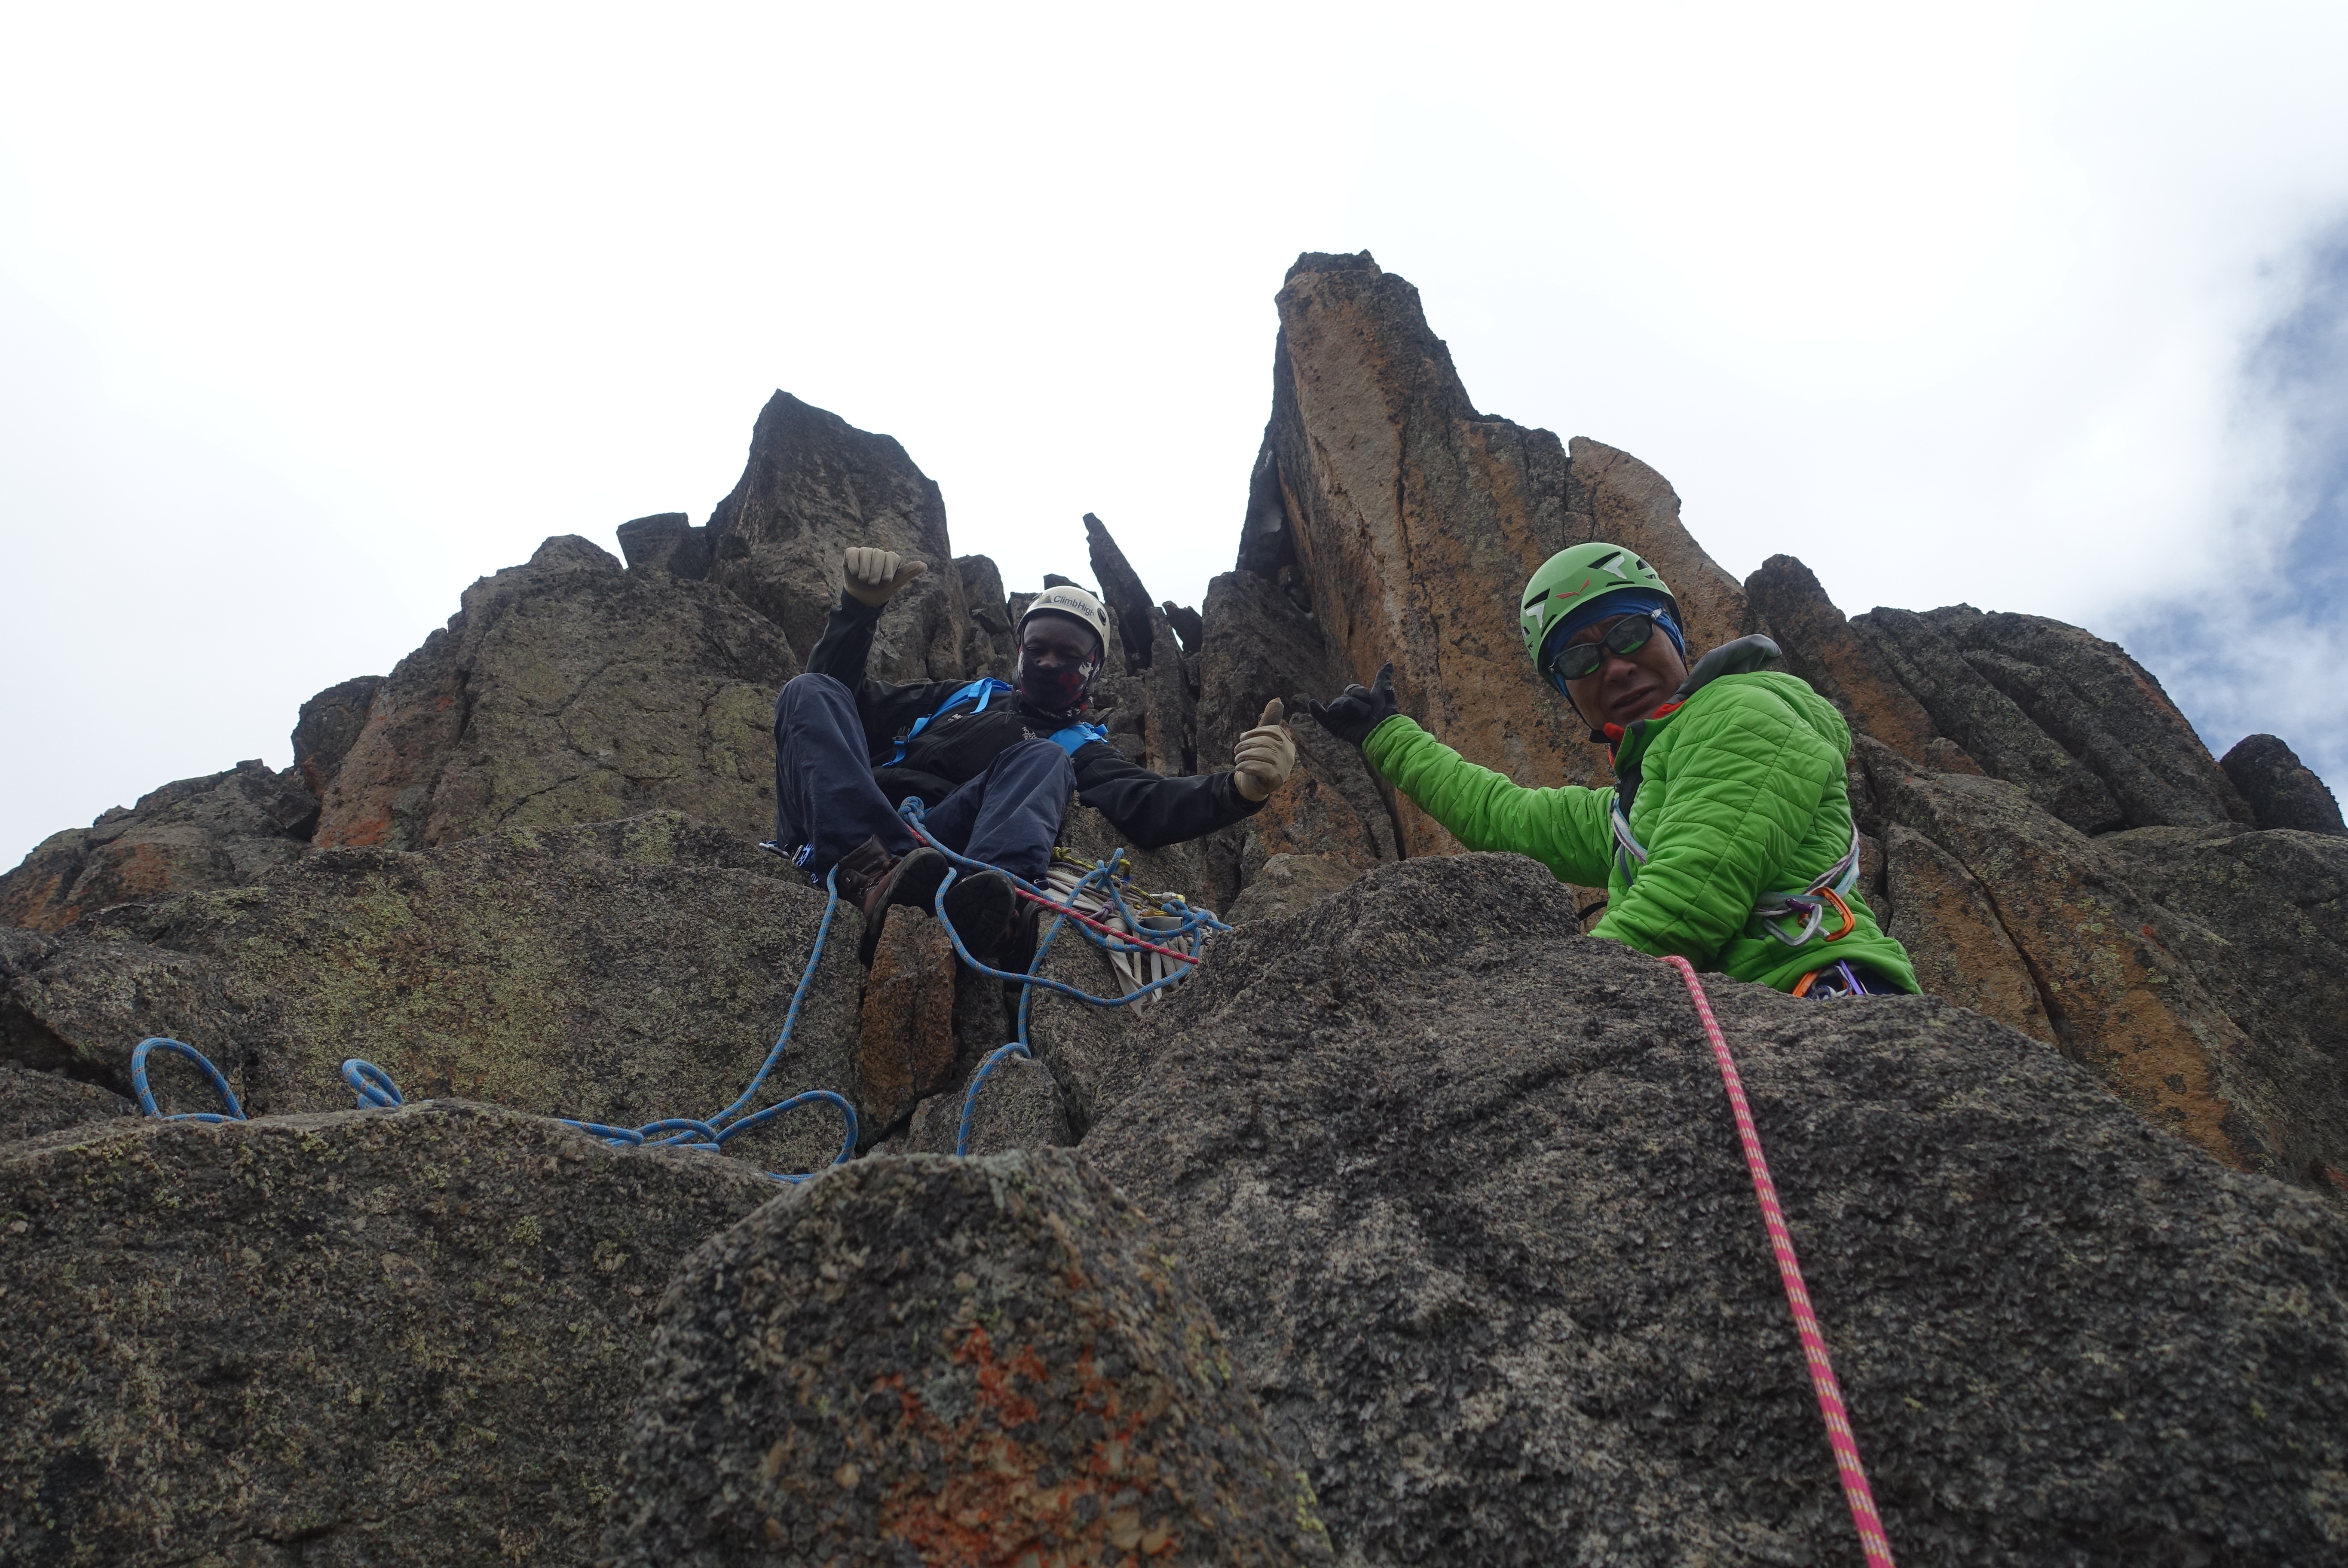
1084 896
1873 1545
372 1086
147 1096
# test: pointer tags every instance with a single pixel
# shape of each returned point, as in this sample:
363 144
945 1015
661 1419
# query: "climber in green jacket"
1728 837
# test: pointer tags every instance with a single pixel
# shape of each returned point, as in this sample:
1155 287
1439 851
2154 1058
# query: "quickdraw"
1809 906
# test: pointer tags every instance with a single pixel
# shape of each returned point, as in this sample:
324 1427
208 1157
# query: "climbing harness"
1809 906
1872 1543
979 692
977 695
1840 978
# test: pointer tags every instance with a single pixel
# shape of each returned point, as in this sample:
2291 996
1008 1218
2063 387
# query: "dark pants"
825 800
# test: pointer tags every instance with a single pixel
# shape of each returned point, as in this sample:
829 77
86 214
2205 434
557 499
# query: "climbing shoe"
863 868
912 880
984 909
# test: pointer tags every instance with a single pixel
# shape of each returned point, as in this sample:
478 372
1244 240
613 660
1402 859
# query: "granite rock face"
992 650
665 541
966 1361
2135 989
569 690
1407 522
1148 689
79 1007
1291 884
32 1103
1946 919
328 726
364 1338
815 485
615 973
1019 1105
1380 488
2261 920
2104 708
1844 666
219 830
1469 1206
2281 790
1257 645
905 1032
1991 728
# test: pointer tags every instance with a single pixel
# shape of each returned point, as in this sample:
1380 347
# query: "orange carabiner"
1849 921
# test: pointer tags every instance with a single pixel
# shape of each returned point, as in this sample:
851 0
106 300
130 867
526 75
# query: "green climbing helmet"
1571 579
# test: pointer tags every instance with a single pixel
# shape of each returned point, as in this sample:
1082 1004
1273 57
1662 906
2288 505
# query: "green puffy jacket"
1737 793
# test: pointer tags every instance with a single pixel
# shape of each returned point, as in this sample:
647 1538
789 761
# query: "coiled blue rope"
1193 921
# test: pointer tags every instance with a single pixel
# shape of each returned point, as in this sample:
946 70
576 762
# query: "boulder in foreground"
1464 1194
362 1338
931 1360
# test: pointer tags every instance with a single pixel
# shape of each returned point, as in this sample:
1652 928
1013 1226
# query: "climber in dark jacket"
994 763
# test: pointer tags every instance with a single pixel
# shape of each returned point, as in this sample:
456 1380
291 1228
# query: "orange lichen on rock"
996 1507
984 1361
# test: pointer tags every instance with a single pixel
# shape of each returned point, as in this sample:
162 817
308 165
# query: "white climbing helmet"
1073 603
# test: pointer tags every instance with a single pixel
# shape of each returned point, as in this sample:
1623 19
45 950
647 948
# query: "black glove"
1361 710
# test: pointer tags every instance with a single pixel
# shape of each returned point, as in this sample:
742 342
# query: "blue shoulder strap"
1077 735
982 691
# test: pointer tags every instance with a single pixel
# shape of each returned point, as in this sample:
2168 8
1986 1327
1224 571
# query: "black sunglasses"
1576 660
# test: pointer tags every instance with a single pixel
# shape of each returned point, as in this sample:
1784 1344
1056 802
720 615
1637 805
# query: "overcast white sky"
310 315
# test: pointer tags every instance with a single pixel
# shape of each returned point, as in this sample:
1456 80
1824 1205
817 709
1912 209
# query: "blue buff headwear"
1605 607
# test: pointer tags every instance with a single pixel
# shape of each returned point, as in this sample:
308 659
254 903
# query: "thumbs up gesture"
875 575
1265 757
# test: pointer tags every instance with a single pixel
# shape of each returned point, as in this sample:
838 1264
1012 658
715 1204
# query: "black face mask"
1055 687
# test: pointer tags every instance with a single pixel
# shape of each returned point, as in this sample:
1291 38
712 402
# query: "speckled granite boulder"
32 1103
1465 1196
358 1339
931 1360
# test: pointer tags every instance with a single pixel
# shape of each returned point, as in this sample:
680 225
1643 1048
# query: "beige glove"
875 575
1265 757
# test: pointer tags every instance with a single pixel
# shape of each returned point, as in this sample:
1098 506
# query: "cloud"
2259 644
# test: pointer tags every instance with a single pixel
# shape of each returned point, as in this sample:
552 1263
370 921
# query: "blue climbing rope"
372 1085
1191 922
147 1096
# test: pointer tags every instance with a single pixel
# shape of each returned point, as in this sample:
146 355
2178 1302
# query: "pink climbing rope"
1872 1543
